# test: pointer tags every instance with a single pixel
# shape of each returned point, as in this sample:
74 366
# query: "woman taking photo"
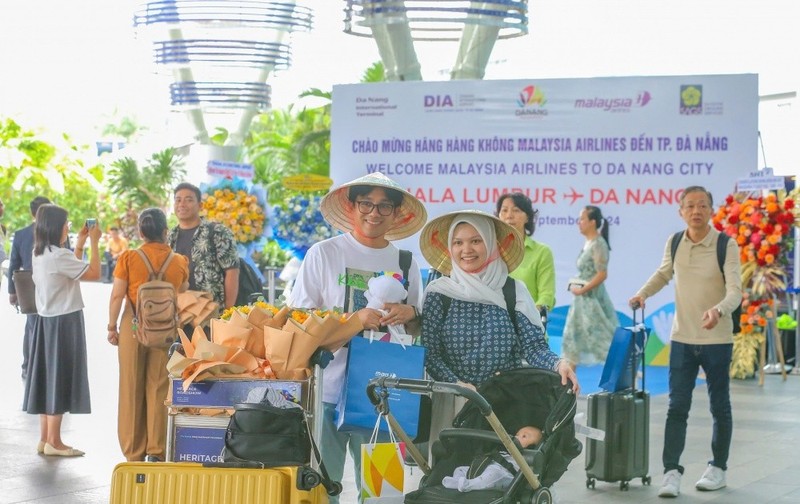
143 381
537 270
591 319
58 380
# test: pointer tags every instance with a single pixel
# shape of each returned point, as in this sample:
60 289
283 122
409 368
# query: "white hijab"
486 286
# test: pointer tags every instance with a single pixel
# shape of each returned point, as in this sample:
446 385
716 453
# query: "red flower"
788 203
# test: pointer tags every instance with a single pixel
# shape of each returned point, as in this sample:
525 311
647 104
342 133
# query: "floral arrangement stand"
762 227
298 224
777 363
240 206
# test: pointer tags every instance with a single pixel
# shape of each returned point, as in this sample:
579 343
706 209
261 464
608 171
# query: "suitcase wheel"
646 480
590 483
623 485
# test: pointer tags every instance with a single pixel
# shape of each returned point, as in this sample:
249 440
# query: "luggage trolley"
195 470
198 416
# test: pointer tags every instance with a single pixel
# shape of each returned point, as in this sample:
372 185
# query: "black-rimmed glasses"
366 207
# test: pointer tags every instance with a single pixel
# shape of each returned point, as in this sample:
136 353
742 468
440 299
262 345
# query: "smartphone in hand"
90 223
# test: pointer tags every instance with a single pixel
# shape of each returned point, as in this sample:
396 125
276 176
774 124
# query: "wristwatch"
719 311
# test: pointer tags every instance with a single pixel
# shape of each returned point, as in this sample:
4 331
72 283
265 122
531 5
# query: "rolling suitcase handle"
644 345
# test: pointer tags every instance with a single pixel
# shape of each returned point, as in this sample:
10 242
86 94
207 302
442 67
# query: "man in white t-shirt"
371 211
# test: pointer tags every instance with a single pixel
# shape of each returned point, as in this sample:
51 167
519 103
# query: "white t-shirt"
56 274
334 274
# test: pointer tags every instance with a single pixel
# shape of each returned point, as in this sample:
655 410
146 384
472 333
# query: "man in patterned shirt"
210 247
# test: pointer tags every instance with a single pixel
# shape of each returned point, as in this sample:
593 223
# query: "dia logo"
438 101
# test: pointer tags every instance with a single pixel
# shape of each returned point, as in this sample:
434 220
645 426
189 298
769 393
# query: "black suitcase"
624 416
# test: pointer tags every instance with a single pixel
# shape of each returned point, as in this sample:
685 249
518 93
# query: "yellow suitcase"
188 483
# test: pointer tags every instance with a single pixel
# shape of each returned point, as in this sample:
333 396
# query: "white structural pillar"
396 46
477 42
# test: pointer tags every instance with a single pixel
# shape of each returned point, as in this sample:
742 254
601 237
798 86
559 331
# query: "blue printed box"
198 444
227 393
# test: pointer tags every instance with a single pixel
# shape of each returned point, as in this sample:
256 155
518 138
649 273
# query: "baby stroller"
506 402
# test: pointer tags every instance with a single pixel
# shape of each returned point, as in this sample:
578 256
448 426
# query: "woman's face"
468 249
512 215
586 225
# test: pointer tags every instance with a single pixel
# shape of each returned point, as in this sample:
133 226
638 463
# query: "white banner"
628 145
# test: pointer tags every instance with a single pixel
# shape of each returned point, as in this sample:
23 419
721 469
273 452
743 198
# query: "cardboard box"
198 438
227 393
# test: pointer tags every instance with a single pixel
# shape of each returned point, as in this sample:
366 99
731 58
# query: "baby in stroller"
494 470
528 401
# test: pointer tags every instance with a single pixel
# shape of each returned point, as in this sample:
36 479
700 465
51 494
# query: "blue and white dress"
591 320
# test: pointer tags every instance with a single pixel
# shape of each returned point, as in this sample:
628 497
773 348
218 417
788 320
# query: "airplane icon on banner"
573 195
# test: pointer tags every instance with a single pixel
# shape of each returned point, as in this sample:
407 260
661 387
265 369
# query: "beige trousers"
143 386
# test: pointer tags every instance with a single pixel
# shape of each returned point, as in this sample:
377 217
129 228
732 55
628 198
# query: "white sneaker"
671 484
712 479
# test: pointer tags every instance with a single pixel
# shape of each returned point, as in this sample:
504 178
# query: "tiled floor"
764 463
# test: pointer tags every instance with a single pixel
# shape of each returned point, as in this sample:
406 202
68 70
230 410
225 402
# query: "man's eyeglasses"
366 207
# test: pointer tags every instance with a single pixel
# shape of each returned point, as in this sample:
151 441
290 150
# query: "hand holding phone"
90 223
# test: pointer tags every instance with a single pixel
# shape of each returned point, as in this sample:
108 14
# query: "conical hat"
433 241
411 217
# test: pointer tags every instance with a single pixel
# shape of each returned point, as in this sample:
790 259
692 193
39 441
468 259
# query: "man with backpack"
210 247
705 297
371 211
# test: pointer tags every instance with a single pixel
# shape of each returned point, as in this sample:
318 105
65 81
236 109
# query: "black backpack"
722 244
250 286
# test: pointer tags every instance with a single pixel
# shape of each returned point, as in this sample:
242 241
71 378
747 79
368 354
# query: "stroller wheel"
590 483
542 496
623 485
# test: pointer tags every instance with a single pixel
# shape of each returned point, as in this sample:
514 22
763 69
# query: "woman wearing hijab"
474 337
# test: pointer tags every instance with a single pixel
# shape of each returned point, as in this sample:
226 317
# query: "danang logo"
437 101
691 99
614 104
531 102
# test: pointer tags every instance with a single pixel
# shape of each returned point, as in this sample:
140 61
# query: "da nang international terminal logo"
691 99
531 102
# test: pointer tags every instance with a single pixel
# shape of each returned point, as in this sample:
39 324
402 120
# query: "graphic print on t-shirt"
355 282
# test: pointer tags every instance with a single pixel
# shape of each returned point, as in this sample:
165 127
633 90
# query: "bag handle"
636 328
374 438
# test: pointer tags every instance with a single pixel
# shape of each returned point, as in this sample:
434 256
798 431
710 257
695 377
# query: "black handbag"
26 291
274 437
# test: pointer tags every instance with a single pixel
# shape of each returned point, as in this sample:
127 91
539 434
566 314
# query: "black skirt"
58 378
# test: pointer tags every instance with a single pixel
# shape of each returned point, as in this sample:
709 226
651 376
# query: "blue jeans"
334 447
684 363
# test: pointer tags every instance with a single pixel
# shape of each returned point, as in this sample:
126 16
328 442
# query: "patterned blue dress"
591 320
477 340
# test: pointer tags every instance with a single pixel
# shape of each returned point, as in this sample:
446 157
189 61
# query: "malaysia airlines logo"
616 104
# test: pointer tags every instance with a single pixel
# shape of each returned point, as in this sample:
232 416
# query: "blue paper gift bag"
367 360
623 358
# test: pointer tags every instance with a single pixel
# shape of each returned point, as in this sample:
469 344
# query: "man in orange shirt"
116 245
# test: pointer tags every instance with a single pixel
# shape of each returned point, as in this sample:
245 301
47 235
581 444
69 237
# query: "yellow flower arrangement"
297 314
239 210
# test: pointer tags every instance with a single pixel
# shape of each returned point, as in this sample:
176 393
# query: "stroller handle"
421 387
